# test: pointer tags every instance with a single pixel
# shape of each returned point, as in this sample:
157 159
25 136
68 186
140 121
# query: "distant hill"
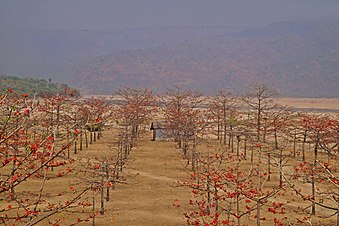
298 59
30 86
53 53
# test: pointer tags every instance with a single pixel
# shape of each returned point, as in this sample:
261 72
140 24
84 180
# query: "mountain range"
296 58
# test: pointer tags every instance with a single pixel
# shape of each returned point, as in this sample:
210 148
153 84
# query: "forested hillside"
31 86
297 59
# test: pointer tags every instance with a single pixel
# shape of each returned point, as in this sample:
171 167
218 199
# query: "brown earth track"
152 172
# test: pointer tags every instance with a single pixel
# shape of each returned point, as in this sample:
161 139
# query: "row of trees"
276 137
40 143
273 134
40 138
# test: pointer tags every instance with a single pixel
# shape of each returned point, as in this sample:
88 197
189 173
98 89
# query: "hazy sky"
111 14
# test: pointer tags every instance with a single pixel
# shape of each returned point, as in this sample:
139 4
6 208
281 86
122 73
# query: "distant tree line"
32 86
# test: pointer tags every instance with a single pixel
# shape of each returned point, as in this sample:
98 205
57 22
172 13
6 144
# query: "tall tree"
220 106
136 107
182 115
261 100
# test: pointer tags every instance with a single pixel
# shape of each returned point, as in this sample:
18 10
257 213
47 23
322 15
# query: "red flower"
6 161
97 166
34 147
176 203
14 178
26 112
28 212
272 210
25 95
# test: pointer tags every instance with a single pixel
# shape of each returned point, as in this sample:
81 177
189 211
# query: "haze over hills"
299 59
53 53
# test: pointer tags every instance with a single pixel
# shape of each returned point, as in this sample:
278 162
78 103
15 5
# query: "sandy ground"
152 173
147 195
315 103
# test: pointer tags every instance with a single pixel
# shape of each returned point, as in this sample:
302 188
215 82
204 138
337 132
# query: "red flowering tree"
225 191
33 156
322 174
97 112
183 118
220 108
135 108
260 99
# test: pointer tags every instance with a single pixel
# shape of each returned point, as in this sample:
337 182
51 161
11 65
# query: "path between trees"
151 175
152 172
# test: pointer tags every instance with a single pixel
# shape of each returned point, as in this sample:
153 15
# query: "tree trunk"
237 198
259 120
107 178
57 120
91 136
81 138
218 129
232 141
275 139
303 146
245 147
269 167
294 143
314 168
238 146
208 194
86 138
280 169
216 200
238 210
99 133
225 133
194 155
225 122
252 156
259 188
93 208
68 144
102 202
338 209
75 146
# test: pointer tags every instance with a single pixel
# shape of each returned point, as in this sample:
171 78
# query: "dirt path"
152 172
151 175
